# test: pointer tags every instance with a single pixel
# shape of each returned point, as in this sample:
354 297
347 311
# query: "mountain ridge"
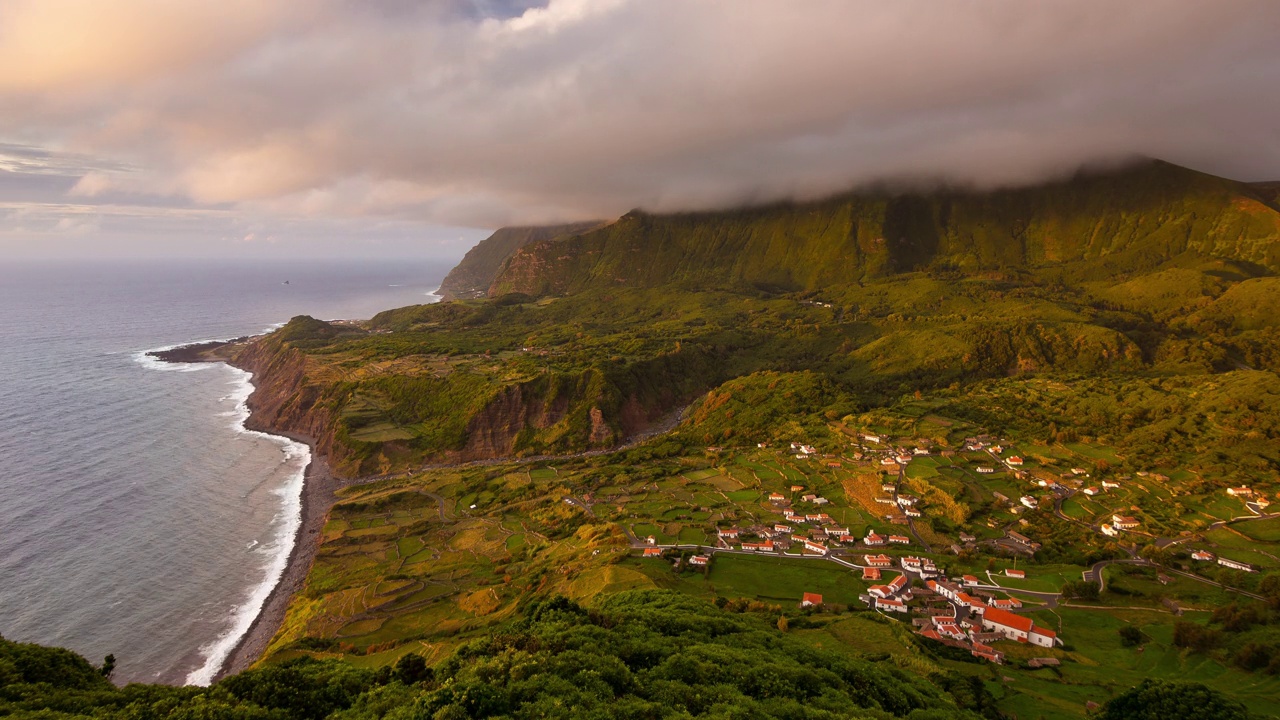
473 275
1107 222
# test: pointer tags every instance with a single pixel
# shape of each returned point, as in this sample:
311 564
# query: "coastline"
318 495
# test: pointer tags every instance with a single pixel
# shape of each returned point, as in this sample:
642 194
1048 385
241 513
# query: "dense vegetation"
635 655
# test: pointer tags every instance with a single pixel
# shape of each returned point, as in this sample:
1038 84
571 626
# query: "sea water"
137 516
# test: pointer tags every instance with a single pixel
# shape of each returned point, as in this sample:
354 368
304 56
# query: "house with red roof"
810 600
728 533
898 583
1124 522
873 539
815 547
653 552
890 605
878 561
1010 572
900 539
1018 627
699 560
870 573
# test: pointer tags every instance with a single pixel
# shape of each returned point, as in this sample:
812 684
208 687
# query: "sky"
400 128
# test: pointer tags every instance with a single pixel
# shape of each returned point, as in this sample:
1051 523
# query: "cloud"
494 112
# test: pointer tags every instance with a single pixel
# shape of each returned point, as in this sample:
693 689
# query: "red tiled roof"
813 598
1008 619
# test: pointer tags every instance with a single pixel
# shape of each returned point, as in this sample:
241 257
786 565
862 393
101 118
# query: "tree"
1130 635
783 624
108 666
1172 700
1081 589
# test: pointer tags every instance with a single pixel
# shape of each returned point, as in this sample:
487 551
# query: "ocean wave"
287 523
435 294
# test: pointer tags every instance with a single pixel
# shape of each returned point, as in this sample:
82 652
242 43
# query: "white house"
1018 627
1235 564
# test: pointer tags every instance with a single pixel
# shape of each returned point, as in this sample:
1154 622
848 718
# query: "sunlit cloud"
488 112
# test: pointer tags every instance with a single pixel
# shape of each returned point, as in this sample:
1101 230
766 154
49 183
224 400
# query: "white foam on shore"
288 521
150 362
436 295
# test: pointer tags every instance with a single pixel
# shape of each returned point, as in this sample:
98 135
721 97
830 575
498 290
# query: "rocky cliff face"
282 401
556 414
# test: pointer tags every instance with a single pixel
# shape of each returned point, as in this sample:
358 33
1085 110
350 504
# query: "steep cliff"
317 382
472 276
1091 225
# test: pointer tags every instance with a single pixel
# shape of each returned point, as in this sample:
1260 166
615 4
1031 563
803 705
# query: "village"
964 611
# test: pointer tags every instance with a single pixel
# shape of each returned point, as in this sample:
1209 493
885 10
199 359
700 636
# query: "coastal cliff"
371 418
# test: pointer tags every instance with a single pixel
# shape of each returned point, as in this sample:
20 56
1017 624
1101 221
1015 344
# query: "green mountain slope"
1089 227
473 275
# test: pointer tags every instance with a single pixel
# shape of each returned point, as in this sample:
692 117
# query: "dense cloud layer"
488 113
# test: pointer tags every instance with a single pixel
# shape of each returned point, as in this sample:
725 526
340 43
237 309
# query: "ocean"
137 516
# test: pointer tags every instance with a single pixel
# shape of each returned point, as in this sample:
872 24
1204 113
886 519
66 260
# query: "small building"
1235 564
837 531
777 497
700 560
815 547
878 561
1109 485
1241 491
1108 530
810 600
728 533
870 573
900 539
890 605
873 539
984 470
1019 574
1015 461
1018 627
766 546
1124 522
651 540
653 552
1030 502
797 488
1091 491
1020 538
1202 555
808 498
969 580
967 537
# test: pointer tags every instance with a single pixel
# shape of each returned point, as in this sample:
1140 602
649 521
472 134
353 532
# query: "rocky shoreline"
319 493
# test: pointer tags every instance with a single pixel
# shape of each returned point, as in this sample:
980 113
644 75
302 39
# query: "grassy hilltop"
1020 368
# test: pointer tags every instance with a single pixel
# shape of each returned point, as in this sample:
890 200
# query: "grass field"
772 579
